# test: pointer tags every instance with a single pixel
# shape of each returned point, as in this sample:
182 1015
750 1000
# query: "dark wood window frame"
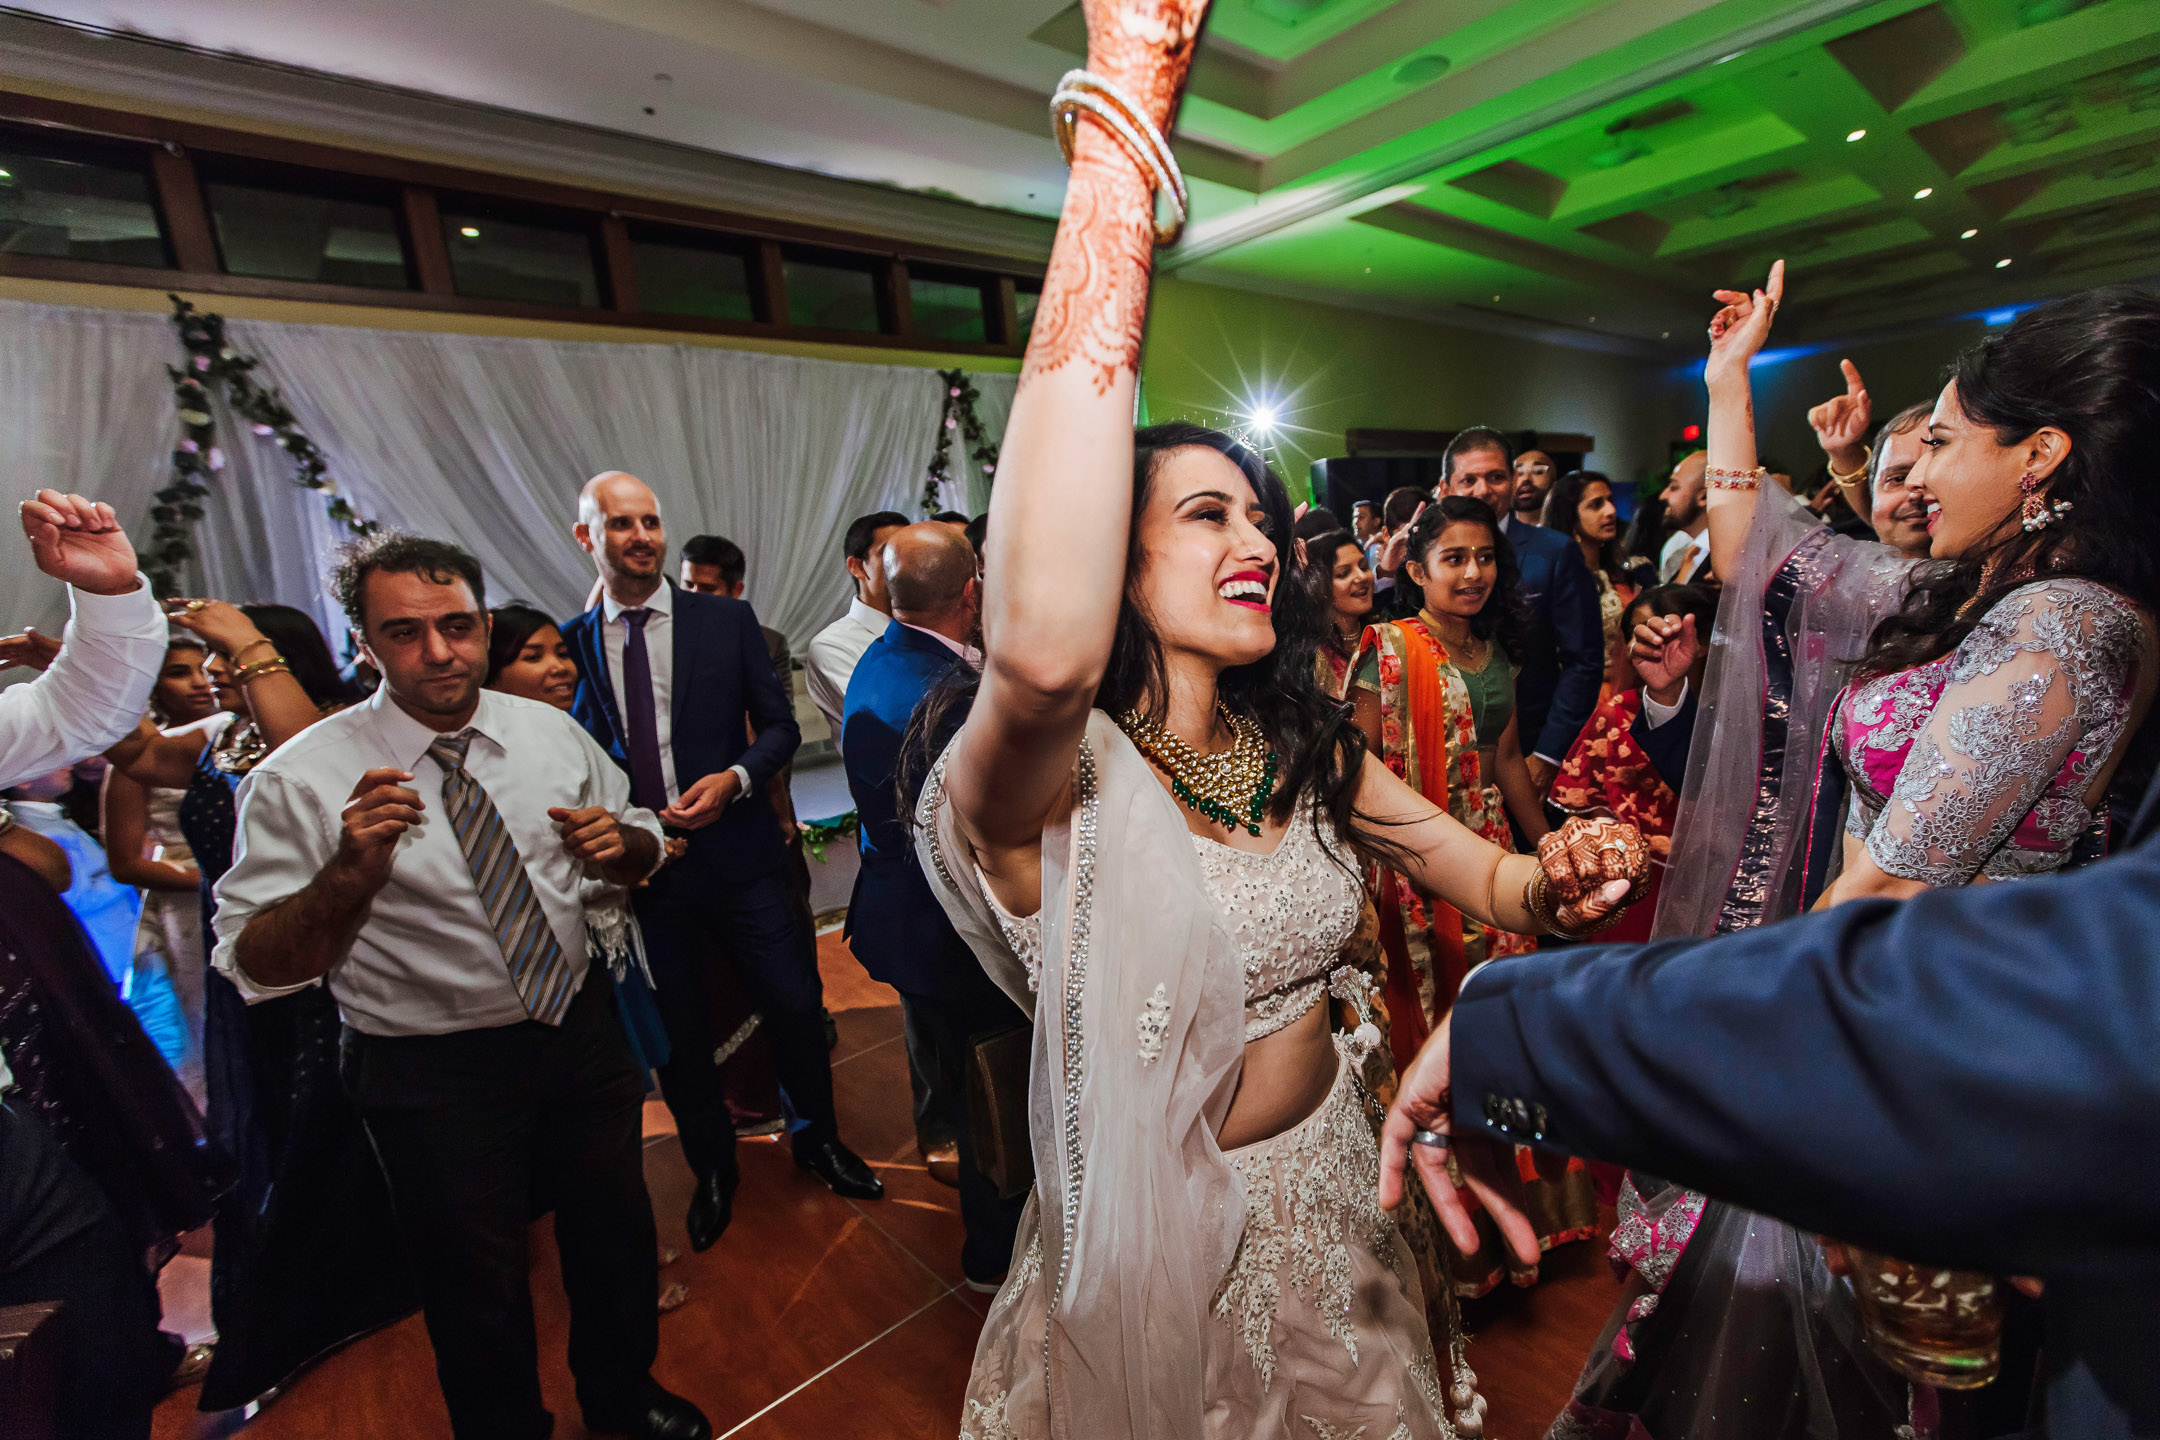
170 147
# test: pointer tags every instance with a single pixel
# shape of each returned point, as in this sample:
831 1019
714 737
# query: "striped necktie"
536 962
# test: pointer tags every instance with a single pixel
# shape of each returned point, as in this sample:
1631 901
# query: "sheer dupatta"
1103 1328
1791 624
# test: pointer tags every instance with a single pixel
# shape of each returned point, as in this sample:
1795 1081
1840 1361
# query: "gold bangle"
1537 899
1847 482
235 656
1720 479
263 667
1134 131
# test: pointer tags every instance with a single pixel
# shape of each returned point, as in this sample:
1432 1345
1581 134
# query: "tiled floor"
817 1316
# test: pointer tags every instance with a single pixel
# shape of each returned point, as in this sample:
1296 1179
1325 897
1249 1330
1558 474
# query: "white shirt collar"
661 603
868 616
968 653
408 739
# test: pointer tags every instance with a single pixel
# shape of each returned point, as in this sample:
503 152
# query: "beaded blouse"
1291 911
1980 762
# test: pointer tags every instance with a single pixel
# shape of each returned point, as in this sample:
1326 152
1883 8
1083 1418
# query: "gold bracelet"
1718 479
1848 482
263 667
1537 899
235 656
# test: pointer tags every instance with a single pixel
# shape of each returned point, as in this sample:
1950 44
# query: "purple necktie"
648 782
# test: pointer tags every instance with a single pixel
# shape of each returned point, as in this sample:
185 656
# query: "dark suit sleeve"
1667 744
1969 1076
771 711
1580 635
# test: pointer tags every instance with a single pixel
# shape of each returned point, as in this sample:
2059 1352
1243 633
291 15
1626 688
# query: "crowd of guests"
368 967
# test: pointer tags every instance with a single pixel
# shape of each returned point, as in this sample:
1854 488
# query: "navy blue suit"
727 890
1970 1076
896 927
1563 659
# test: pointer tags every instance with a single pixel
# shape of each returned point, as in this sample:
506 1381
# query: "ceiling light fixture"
1262 417
1421 69
2003 264
1856 135
470 232
1968 234
1923 192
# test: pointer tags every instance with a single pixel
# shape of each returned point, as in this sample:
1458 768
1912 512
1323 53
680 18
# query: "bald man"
674 684
1688 548
895 925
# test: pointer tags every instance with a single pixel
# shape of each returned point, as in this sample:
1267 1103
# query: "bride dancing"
1148 829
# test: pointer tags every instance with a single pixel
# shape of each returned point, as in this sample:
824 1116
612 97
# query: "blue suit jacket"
1564 661
721 676
1971 1076
896 927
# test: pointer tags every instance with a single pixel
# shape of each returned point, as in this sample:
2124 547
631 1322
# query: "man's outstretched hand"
1422 1102
80 542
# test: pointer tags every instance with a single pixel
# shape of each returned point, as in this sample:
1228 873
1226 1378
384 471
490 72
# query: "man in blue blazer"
1563 663
678 688
1970 1077
895 925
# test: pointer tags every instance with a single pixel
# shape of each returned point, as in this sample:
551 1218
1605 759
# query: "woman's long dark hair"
306 652
1322 754
1317 574
1501 616
1563 512
512 625
2088 365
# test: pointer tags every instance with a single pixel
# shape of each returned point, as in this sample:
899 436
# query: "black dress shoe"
842 1169
712 1205
659 1416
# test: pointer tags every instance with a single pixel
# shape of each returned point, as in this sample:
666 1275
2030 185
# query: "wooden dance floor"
818 1317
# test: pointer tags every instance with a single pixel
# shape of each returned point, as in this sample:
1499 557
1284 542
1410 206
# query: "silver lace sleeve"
2037 699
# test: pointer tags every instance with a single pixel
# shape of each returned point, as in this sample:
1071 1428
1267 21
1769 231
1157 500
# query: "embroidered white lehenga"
1162 1287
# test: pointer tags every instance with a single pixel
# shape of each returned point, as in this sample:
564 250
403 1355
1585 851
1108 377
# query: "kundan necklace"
1230 787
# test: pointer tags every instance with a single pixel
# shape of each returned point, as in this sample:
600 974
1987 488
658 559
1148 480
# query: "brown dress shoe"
943 1162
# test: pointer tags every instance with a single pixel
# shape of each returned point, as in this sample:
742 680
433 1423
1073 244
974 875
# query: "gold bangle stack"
276 664
1719 479
1852 481
252 644
1538 900
1142 139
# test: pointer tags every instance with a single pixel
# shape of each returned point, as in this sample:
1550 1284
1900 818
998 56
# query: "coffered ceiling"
1589 168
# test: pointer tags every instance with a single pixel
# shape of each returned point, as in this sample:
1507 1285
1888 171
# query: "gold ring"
194 605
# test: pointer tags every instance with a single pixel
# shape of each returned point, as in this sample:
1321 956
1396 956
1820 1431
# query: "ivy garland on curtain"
959 418
213 364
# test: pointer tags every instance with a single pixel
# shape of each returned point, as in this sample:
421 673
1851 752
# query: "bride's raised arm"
1061 514
1737 333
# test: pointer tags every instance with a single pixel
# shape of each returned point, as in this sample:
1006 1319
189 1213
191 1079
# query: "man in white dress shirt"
60 1235
424 854
829 659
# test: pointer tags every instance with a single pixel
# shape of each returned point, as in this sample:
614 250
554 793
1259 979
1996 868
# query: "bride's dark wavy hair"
1322 752
2089 365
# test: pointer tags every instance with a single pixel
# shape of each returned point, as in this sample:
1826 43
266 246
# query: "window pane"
1024 302
830 297
509 260
77 209
692 280
946 311
292 235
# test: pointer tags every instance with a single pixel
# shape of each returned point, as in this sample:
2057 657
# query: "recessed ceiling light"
470 232
1968 234
1856 135
1923 192
6 175
1495 299
2003 264
1368 269
1665 335
1593 319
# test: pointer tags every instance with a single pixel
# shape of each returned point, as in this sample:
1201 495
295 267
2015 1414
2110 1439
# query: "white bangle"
1124 118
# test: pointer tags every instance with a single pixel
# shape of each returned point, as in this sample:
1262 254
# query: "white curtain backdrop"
480 440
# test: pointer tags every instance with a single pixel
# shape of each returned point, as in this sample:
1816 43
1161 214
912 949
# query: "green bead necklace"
1230 787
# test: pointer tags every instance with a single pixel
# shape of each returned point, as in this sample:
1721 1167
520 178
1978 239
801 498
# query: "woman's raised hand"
1146 47
1596 865
1396 552
1737 331
225 626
